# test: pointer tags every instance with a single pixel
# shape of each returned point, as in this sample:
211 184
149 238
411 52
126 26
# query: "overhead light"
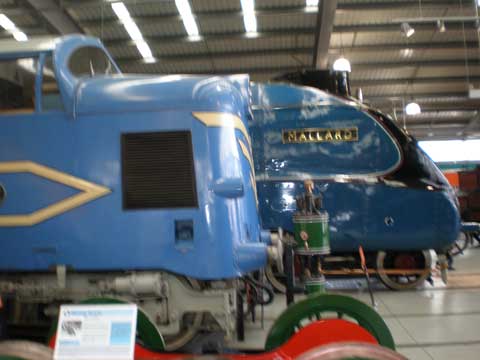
133 31
249 19
407 52
183 7
441 26
342 64
413 109
406 29
478 2
20 36
8 25
145 51
311 5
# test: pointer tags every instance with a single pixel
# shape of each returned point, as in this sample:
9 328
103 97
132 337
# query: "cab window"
17 85
90 61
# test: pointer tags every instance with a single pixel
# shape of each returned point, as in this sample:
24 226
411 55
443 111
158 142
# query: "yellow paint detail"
254 186
219 119
89 192
246 153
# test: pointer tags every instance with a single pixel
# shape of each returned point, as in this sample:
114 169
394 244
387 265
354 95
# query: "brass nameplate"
317 135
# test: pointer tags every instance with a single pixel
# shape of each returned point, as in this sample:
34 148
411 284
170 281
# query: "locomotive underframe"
164 297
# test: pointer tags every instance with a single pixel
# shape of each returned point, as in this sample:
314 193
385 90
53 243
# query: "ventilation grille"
158 170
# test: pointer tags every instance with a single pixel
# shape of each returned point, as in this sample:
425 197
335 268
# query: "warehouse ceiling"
436 67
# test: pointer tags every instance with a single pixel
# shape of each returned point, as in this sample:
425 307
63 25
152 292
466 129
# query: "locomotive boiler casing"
73 193
376 194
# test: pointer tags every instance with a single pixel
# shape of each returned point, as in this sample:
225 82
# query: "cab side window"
17 85
51 99
90 61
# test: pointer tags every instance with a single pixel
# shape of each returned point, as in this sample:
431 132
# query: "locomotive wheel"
24 350
318 306
403 260
147 333
340 351
461 244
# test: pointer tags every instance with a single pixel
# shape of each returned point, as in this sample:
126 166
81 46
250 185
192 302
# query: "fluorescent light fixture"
342 64
249 19
8 25
145 51
413 109
407 30
311 5
20 36
133 31
452 150
441 26
121 11
189 23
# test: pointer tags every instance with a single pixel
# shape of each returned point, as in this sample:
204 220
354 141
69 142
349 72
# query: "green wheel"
317 306
147 332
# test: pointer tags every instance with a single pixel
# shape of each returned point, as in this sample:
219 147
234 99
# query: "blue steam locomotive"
151 189
381 191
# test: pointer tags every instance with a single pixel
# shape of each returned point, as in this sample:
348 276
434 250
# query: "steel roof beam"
447 45
395 27
55 16
281 32
236 70
473 61
172 39
416 80
222 55
325 19
349 6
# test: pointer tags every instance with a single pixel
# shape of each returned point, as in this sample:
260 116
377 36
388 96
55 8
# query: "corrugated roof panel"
381 73
91 12
448 71
116 32
7 2
409 90
219 25
372 16
215 5
287 21
268 61
124 52
273 42
162 28
152 8
25 19
344 39
278 3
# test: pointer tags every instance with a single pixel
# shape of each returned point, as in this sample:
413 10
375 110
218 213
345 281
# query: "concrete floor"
437 323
